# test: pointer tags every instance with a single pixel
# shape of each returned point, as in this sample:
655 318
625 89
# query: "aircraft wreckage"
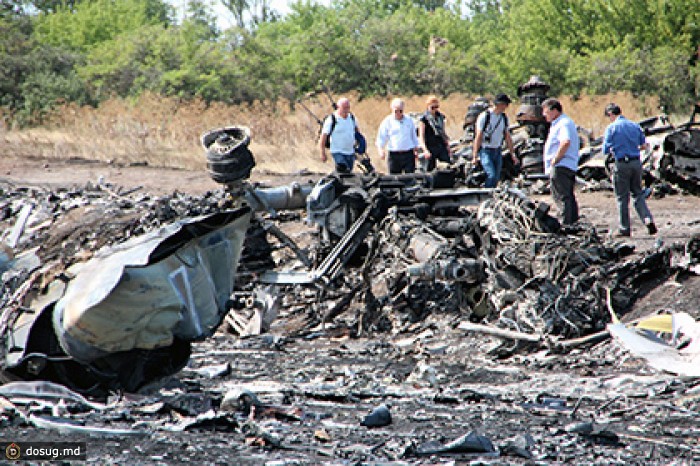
673 156
107 291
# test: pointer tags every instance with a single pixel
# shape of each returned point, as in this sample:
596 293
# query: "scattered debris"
469 443
225 313
379 417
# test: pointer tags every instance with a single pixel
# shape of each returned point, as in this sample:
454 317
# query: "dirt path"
677 216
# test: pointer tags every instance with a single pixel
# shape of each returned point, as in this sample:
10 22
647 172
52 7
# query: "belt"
401 152
627 158
492 149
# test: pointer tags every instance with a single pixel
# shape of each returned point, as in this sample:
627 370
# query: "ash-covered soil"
313 386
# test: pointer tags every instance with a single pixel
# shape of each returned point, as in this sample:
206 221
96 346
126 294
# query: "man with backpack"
338 135
491 131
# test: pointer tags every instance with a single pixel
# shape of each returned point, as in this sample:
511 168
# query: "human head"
397 108
432 103
343 105
612 110
551 109
501 102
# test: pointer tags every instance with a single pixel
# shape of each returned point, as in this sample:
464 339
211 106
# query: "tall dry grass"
165 131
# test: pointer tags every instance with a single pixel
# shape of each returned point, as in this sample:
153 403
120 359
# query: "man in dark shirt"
624 139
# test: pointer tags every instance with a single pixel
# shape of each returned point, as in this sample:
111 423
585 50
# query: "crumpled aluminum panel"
173 282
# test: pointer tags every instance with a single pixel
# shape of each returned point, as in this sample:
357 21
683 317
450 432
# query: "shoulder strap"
332 124
432 122
487 120
333 121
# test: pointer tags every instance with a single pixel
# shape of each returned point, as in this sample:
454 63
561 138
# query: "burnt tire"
231 167
228 156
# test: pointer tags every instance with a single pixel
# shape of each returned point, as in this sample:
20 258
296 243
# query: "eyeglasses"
398 110
434 107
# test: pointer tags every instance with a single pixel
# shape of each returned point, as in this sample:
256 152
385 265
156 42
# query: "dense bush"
90 50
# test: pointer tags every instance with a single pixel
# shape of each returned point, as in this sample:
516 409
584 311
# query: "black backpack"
333 121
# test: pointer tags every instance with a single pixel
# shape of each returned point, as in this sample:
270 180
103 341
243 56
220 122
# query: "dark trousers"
437 153
627 179
562 182
401 162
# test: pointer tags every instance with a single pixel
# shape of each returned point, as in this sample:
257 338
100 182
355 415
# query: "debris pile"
376 331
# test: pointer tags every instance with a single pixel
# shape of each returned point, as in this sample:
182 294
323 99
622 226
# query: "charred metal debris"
359 319
671 164
106 290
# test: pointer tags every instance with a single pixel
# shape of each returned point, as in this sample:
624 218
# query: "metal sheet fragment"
660 354
143 293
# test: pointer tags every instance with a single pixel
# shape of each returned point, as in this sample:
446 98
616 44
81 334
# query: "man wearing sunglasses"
397 140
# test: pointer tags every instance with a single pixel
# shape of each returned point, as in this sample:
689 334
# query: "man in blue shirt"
624 139
561 159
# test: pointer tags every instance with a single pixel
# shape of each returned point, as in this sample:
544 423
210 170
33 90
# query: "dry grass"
166 132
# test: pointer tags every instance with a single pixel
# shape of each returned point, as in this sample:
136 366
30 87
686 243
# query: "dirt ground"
589 406
677 216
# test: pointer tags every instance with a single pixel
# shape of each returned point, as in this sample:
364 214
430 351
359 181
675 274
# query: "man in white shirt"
340 127
561 159
491 131
397 140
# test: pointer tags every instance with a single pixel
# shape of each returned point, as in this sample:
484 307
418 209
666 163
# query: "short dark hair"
612 109
502 99
552 104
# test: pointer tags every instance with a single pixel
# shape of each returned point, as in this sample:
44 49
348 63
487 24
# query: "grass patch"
165 132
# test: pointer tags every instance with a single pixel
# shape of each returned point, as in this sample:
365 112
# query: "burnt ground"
591 405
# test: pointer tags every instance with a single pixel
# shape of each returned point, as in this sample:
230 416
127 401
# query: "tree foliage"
89 50
91 22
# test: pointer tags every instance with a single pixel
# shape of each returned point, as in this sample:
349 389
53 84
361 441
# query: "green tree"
33 78
96 21
51 6
251 13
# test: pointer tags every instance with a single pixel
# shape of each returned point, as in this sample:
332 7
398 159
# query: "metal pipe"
289 197
462 270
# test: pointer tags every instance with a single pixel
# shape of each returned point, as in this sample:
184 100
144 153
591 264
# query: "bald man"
340 127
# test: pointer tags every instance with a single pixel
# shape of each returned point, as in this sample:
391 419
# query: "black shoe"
622 234
651 228
569 229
